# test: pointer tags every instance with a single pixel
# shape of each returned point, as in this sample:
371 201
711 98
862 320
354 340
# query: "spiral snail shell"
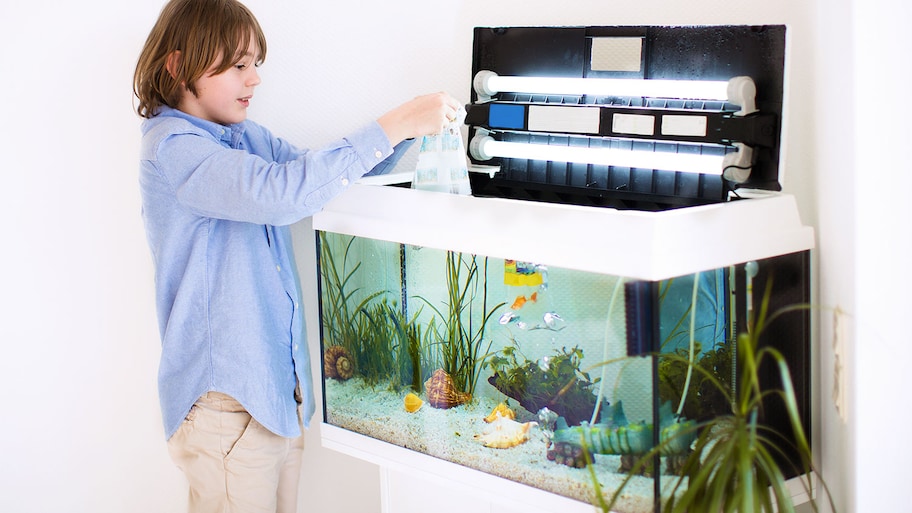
337 363
442 392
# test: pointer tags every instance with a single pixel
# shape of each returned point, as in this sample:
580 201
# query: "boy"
218 194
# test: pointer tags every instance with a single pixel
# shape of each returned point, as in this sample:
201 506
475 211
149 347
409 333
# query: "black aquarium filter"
640 313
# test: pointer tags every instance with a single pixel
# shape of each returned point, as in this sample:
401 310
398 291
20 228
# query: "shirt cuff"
370 145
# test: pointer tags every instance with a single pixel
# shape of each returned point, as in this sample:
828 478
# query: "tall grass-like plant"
384 345
376 355
411 344
342 323
733 466
461 337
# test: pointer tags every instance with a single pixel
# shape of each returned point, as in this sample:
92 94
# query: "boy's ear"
172 63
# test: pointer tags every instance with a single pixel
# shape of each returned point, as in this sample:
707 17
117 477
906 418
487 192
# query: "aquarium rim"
633 244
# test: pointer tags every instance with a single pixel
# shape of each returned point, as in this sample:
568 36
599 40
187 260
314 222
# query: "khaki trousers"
234 464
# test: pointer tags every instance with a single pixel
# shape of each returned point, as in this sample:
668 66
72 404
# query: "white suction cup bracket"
736 166
743 92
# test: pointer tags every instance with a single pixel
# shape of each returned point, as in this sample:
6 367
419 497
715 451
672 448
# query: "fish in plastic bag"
442 160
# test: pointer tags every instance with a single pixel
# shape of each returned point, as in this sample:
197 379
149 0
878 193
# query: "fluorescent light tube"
485 147
488 83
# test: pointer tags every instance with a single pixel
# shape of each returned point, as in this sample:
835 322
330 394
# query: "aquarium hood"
646 118
641 245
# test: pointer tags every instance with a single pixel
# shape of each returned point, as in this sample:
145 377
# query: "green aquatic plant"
385 346
734 463
677 382
411 348
558 383
461 336
375 356
341 325
702 398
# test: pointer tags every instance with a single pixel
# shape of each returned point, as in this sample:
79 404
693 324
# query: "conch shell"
337 363
504 433
442 392
412 402
500 411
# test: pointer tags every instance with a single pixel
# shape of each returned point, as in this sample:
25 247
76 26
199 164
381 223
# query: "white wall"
81 429
881 176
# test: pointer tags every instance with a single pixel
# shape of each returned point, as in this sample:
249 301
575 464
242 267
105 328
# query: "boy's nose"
254 78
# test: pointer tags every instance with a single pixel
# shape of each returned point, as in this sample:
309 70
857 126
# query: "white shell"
504 433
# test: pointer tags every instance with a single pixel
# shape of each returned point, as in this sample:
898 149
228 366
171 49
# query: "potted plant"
733 463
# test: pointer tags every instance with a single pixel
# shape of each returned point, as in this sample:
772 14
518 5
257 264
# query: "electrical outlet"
840 334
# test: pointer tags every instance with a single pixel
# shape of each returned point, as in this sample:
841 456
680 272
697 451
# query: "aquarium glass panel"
530 371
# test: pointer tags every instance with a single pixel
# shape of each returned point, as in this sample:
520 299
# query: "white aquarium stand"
433 484
634 244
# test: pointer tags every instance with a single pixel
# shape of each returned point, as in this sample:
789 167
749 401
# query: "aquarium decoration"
614 435
337 363
560 386
504 433
442 391
412 402
530 308
501 410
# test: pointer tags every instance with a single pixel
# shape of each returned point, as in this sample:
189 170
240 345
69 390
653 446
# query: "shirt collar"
226 133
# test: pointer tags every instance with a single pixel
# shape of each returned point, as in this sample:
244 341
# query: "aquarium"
531 369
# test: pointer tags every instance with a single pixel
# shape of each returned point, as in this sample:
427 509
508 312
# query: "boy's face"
224 98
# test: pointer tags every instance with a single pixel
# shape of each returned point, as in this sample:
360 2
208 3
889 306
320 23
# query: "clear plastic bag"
442 161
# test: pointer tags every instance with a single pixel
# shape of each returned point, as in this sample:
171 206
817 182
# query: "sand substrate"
450 434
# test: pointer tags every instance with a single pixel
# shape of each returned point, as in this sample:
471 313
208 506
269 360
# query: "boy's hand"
423 115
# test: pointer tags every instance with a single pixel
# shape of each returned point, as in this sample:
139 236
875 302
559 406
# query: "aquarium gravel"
449 434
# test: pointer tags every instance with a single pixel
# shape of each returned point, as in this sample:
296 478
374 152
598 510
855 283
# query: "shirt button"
279 268
345 181
378 154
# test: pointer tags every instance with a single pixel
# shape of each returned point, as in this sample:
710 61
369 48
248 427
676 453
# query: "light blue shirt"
217 201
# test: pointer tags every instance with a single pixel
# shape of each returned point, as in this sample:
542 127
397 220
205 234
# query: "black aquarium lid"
692 53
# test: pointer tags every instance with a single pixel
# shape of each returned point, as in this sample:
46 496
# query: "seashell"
344 367
442 392
337 363
501 410
412 402
504 433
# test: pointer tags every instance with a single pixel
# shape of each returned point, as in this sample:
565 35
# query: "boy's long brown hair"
206 33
